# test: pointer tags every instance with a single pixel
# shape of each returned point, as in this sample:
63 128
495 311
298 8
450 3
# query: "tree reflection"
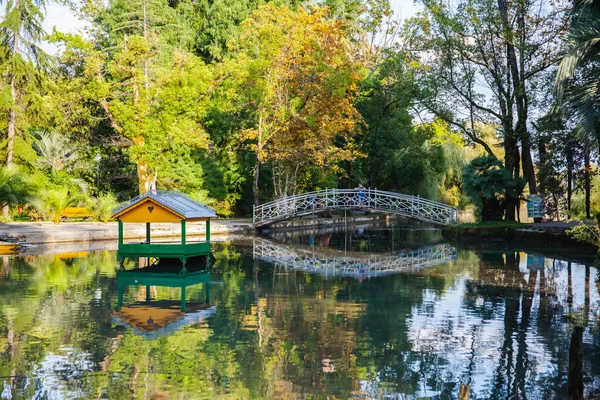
491 324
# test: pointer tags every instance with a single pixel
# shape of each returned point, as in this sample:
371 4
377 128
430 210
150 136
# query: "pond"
370 311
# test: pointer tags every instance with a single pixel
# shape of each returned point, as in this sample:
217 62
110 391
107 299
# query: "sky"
61 17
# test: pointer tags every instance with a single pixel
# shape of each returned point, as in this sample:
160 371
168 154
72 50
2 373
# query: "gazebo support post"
121 259
147 232
119 297
120 233
183 231
208 230
182 298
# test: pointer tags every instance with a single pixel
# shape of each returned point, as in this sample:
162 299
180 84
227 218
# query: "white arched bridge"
303 204
353 264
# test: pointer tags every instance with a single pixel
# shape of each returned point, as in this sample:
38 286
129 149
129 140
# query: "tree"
299 81
20 34
577 78
481 64
490 186
158 124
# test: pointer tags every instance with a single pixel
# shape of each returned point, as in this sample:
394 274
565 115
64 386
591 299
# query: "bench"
76 212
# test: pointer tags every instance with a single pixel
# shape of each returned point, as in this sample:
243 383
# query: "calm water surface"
370 312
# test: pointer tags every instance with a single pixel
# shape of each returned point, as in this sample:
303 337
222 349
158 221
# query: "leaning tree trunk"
12 114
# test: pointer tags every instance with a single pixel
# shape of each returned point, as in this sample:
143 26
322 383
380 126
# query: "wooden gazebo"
163 206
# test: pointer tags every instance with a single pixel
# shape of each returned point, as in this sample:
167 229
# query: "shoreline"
47 238
549 239
34 233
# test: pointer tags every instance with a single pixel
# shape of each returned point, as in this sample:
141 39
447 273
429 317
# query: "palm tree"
577 82
14 188
56 152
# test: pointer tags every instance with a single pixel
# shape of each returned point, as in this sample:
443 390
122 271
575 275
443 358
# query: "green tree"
482 62
14 187
490 187
577 78
298 80
20 57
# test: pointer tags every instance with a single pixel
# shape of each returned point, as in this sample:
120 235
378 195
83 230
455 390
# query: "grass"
492 224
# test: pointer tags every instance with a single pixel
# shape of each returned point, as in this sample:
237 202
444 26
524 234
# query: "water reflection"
153 317
358 265
389 235
497 324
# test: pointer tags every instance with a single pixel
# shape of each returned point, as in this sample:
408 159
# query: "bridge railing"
373 199
367 265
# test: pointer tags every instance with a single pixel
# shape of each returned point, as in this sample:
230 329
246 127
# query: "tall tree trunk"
569 156
575 377
511 162
255 183
587 181
255 188
12 114
12 122
518 85
528 169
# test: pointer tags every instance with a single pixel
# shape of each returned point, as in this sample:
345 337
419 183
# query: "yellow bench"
76 212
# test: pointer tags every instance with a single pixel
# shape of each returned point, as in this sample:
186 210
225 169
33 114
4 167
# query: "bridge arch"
357 265
414 207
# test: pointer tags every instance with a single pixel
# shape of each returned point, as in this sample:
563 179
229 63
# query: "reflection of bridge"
357 265
344 199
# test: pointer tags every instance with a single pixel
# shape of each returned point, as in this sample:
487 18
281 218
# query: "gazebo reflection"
153 317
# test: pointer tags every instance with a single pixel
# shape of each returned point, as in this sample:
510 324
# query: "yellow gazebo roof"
162 206
149 318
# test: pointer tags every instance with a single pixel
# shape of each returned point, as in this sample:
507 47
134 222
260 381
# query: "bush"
53 201
15 187
103 206
587 233
490 187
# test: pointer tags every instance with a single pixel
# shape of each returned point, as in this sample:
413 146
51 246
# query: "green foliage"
223 98
52 201
587 233
577 77
15 188
490 187
103 206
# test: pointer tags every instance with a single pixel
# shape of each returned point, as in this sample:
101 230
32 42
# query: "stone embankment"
40 237
548 238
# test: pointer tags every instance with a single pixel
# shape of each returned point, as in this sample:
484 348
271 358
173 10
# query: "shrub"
490 186
103 206
53 201
14 187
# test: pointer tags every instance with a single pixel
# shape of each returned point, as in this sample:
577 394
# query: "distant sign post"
535 206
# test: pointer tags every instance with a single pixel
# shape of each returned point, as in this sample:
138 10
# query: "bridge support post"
253 214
